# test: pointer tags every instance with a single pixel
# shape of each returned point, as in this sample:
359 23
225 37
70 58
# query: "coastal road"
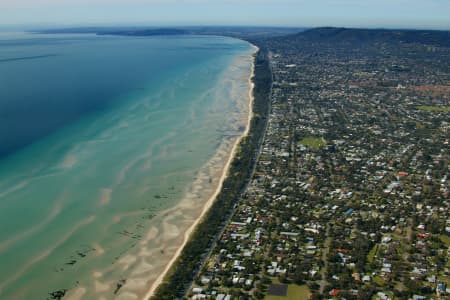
325 251
204 259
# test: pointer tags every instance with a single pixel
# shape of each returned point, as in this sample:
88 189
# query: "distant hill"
233 31
131 31
146 32
332 34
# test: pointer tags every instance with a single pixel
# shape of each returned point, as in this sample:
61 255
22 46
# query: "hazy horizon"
412 14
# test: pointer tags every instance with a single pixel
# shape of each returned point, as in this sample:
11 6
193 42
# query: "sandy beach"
113 198
217 186
171 229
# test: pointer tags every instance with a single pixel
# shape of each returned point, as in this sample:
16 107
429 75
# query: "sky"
293 13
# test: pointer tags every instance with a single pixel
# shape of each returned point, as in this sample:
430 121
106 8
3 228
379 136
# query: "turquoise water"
98 136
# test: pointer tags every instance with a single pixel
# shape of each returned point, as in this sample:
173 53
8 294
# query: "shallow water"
99 135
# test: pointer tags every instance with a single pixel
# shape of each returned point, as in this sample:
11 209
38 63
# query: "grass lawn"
389 294
445 239
315 143
430 108
445 279
372 253
380 281
295 292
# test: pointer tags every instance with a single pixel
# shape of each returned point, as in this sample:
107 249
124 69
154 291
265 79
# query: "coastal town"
350 195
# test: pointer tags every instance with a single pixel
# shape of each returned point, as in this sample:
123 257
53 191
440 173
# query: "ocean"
109 148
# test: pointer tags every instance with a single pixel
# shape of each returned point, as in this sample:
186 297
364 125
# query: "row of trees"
189 262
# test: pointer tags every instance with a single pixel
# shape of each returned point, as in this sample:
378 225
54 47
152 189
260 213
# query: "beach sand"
222 173
171 229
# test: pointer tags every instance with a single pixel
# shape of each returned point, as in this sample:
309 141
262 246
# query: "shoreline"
206 207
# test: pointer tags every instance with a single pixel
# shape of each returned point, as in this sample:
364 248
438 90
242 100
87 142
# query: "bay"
98 137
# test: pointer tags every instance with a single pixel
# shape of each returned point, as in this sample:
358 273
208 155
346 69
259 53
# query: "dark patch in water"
119 285
72 262
27 58
57 295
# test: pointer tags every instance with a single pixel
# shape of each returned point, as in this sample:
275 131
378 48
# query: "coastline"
141 221
207 205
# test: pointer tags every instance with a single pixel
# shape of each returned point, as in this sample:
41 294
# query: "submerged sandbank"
170 230
89 209
223 172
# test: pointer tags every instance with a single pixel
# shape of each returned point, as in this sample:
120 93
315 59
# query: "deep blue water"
48 82
98 137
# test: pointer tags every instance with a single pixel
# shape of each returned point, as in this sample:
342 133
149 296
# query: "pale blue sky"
358 13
